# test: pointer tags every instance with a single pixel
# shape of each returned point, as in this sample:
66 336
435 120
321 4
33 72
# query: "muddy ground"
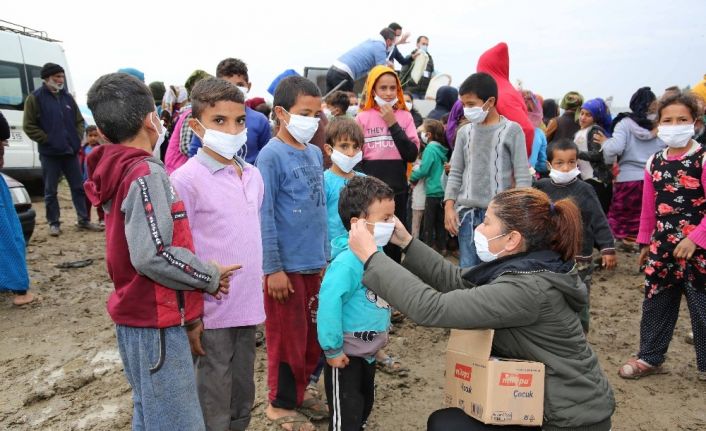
60 368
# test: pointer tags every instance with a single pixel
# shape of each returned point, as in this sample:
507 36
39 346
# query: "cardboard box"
492 390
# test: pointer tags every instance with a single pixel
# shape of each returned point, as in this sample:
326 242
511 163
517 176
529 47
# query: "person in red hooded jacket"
496 63
149 255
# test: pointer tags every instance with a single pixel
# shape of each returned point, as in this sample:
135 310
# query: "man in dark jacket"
418 88
52 119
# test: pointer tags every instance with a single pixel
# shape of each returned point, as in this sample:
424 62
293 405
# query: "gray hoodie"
632 146
533 312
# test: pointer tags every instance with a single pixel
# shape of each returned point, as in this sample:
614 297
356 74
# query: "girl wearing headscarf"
456 120
446 96
594 118
566 125
391 139
538 158
550 111
634 140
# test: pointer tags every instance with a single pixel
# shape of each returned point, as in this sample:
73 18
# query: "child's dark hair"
482 85
91 128
436 128
561 145
543 225
119 103
211 90
264 109
230 67
344 128
679 98
292 87
339 99
357 196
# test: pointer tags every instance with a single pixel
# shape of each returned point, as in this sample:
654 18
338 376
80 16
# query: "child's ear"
354 220
328 149
196 127
549 165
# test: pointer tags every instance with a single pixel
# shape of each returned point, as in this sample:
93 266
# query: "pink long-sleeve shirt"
648 217
174 158
224 215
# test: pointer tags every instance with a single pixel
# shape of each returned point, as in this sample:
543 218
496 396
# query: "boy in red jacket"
150 257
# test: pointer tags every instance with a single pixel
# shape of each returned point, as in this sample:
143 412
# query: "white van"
23 52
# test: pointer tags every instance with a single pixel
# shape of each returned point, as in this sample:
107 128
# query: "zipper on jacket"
180 302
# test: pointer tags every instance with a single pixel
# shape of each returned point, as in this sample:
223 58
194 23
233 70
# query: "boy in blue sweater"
353 321
295 251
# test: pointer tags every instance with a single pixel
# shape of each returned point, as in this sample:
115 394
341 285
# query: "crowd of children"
246 225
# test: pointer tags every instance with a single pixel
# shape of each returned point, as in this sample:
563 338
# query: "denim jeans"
159 368
470 219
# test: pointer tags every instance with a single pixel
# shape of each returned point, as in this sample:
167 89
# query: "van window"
12 86
35 77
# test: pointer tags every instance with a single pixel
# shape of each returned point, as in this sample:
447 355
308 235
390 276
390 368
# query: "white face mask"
345 163
382 102
245 91
409 105
560 177
425 138
676 136
160 137
382 232
328 113
482 250
475 114
302 128
224 144
423 48
352 111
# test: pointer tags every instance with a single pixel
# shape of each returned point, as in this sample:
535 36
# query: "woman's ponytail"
542 224
567 231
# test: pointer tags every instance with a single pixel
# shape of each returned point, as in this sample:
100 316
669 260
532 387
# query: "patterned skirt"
624 214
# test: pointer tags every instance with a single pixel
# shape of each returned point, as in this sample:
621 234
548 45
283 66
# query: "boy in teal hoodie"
352 321
434 158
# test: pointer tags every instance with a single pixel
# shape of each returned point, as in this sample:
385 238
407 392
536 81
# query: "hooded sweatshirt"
445 98
351 318
530 299
433 159
387 150
632 146
510 104
149 250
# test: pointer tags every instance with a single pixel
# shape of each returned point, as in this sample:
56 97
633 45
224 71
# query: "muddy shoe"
54 230
89 227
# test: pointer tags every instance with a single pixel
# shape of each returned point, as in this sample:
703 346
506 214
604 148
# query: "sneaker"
101 223
54 230
89 226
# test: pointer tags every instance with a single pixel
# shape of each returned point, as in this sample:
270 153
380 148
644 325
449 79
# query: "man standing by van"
52 119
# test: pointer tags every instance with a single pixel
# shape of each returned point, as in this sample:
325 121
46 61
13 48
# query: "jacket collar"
535 261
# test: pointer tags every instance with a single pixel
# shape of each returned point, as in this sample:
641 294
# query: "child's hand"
194 333
644 251
339 361
451 221
447 168
609 261
279 287
685 249
400 236
224 282
388 115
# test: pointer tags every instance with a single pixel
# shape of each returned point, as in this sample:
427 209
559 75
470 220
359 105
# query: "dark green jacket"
533 312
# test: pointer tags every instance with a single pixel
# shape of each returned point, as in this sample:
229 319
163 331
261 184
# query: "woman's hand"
685 249
361 241
400 237
599 138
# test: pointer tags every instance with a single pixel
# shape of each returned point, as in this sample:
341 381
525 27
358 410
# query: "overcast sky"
599 47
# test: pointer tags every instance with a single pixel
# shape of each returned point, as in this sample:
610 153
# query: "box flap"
475 343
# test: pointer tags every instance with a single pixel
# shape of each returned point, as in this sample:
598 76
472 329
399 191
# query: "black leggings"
454 419
433 230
